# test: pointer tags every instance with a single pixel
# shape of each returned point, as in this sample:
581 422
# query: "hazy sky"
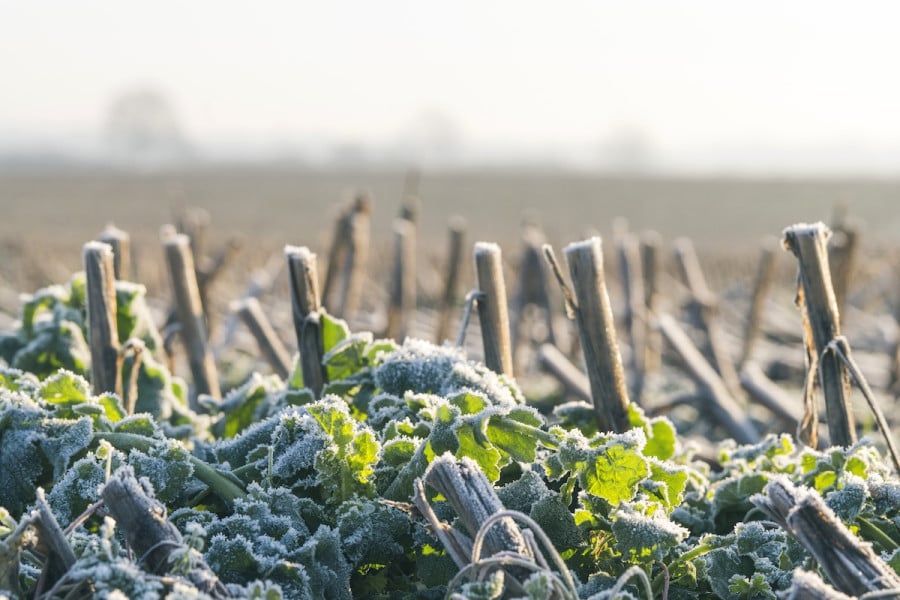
701 78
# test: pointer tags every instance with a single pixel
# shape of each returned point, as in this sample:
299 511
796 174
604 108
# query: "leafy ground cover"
274 493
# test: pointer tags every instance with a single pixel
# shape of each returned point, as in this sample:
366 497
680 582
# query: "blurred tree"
142 128
628 150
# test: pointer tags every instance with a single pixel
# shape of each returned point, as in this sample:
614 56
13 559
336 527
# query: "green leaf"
754 587
731 499
609 467
248 404
660 432
645 539
348 356
334 331
502 433
22 464
824 480
18 380
63 439
133 317
378 349
487 457
468 403
65 389
139 424
112 407
615 473
346 466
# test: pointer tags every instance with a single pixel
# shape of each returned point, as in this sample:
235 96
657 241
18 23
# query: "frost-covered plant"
290 495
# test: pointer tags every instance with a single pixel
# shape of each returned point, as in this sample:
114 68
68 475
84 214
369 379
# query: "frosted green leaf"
334 331
80 485
754 587
259 590
371 532
348 356
529 494
378 349
614 473
112 407
51 335
539 586
41 302
20 458
848 501
18 380
417 366
140 424
254 401
232 559
347 464
772 453
63 439
398 451
133 317
65 389
488 458
750 552
660 432
671 479
731 499
168 468
468 403
646 539
328 570
520 446
443 431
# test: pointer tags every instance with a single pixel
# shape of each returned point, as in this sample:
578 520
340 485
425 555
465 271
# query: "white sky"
691 75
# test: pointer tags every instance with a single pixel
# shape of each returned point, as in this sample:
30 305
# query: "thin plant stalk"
762 284
189 309
271 347
353 271
819 310
650 249
120 242
305 306
403 280
493 312
457 229
724 407
635 314
705 303
532 288
558 364
101 307
598 335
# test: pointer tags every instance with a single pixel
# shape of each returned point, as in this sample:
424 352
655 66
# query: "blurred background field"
53 212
